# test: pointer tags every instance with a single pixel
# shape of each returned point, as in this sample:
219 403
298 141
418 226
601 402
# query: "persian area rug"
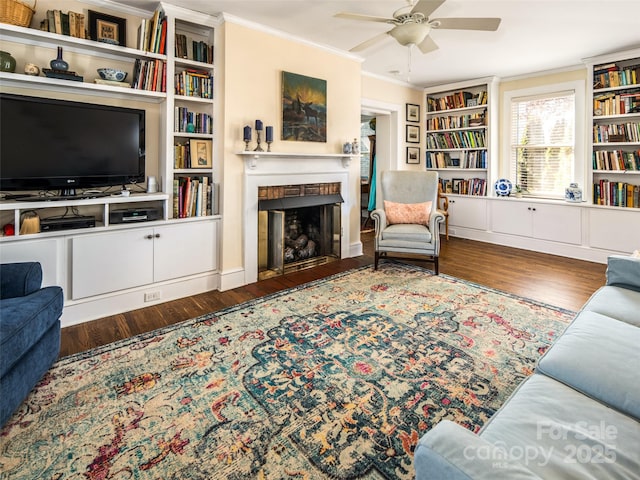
336 379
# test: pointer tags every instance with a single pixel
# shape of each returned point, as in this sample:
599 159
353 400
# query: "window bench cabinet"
560 222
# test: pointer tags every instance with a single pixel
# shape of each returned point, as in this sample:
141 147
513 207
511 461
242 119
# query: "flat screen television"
62 145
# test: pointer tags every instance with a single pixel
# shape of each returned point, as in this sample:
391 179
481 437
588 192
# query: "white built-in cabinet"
468 212
554 222
111 268
101 265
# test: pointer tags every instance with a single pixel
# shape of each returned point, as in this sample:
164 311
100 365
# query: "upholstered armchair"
407 219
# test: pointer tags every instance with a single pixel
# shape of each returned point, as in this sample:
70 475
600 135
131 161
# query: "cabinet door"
47 252
468 212
107 262
510 217
616 230
558 223
184 249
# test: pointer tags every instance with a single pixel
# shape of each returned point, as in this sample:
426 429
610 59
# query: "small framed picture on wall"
413 112
413 134
413 155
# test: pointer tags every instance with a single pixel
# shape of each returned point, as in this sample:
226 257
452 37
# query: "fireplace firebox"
299 226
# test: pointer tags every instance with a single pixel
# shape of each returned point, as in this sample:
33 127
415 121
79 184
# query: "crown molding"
227 17
119 7
395 81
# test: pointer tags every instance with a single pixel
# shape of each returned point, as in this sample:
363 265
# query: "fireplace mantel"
272 169
251 157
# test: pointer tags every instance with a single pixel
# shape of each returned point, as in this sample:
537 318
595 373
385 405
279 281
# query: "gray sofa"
577 417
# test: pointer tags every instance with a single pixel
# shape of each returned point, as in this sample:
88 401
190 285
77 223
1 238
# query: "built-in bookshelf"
460 135
190 145
175 254
615 121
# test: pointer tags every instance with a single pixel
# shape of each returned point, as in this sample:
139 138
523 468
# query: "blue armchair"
29 332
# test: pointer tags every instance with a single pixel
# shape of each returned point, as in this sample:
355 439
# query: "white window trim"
580 161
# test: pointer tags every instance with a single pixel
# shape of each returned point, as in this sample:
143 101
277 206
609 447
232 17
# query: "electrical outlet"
151 296
452 231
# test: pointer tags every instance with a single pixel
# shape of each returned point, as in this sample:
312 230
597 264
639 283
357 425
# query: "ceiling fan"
411 25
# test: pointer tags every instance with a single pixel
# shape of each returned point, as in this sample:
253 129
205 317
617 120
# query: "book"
140 39
64 23
57 20
114 83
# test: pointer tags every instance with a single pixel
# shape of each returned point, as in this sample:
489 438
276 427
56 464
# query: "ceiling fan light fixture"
410 33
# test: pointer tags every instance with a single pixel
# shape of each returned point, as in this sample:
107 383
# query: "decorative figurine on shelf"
58 63
31 69
258 130
355 148
346 148
7 62
269 137
573 193
246 136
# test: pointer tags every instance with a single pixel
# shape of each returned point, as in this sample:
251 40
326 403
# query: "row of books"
194 83
612 75
456 121
202 122
152 34
456 100
466 159
200 51
193 197
149 75
616 160
458 139
616 194
464 186
185 155
616 103
71 23
620 132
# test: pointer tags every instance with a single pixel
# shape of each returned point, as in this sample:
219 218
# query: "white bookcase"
614 153
189 145
111 268
461 130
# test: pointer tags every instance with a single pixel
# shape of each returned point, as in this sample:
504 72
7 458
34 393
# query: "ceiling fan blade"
427 45
366 18
369 43
426 7
488 24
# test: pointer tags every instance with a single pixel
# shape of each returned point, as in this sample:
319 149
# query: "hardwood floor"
559 281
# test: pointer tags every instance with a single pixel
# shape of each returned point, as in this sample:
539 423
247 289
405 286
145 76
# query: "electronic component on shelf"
133 215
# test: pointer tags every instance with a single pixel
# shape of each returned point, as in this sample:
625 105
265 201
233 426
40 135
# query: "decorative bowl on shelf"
112 74
503 187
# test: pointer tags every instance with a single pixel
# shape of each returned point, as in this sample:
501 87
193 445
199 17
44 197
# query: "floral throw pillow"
407 212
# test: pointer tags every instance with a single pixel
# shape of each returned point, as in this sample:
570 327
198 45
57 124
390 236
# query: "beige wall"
397 95
253 65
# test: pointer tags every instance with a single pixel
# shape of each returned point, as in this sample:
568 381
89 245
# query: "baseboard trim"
92 308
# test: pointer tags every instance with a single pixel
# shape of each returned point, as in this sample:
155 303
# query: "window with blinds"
543 142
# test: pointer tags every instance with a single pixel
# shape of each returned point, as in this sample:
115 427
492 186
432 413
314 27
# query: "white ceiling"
534 36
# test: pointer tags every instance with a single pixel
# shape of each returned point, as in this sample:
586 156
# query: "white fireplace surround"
268 169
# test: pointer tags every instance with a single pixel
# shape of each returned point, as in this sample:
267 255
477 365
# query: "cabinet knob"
157 235
148 237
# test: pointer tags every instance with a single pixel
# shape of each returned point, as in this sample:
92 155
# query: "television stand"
53 198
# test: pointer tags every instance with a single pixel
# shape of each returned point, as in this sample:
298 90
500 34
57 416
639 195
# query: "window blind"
543 142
